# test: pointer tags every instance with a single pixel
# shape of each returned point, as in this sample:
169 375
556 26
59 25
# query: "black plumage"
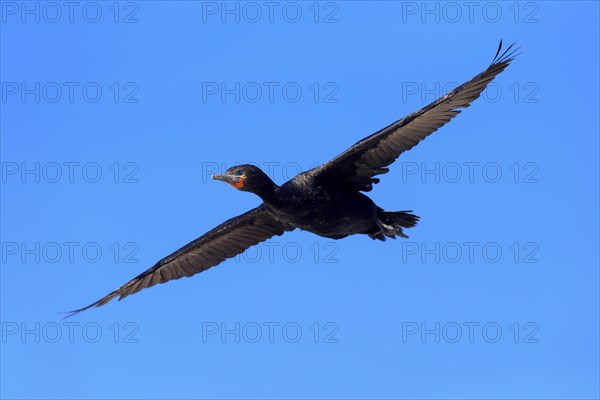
326 200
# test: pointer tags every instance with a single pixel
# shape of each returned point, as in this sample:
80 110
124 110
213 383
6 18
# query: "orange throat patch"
237 184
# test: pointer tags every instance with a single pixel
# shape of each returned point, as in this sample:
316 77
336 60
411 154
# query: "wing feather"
358 165
225 241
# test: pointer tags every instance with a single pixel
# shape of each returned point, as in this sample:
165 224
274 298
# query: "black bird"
326 200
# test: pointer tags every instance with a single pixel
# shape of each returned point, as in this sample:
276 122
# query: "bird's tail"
402 218
390 224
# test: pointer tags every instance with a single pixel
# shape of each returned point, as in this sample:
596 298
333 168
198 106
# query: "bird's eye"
239 172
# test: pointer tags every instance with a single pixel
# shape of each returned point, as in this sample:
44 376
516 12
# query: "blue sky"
114 115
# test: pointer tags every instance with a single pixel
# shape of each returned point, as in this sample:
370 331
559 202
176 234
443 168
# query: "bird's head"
245 177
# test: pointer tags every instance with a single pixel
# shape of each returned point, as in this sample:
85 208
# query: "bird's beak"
234 180
226 178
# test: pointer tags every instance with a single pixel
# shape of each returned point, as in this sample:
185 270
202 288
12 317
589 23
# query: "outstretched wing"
357 166
225 241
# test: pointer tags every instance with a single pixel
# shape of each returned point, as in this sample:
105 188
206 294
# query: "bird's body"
328 211
325 209
326 200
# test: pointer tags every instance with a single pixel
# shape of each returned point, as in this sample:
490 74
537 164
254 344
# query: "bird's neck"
266 190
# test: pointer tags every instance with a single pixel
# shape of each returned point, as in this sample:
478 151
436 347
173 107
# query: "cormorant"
326 200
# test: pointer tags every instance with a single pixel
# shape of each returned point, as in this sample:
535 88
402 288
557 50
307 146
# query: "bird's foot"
390 231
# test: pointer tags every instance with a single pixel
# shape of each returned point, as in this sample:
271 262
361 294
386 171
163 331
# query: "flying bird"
327 200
